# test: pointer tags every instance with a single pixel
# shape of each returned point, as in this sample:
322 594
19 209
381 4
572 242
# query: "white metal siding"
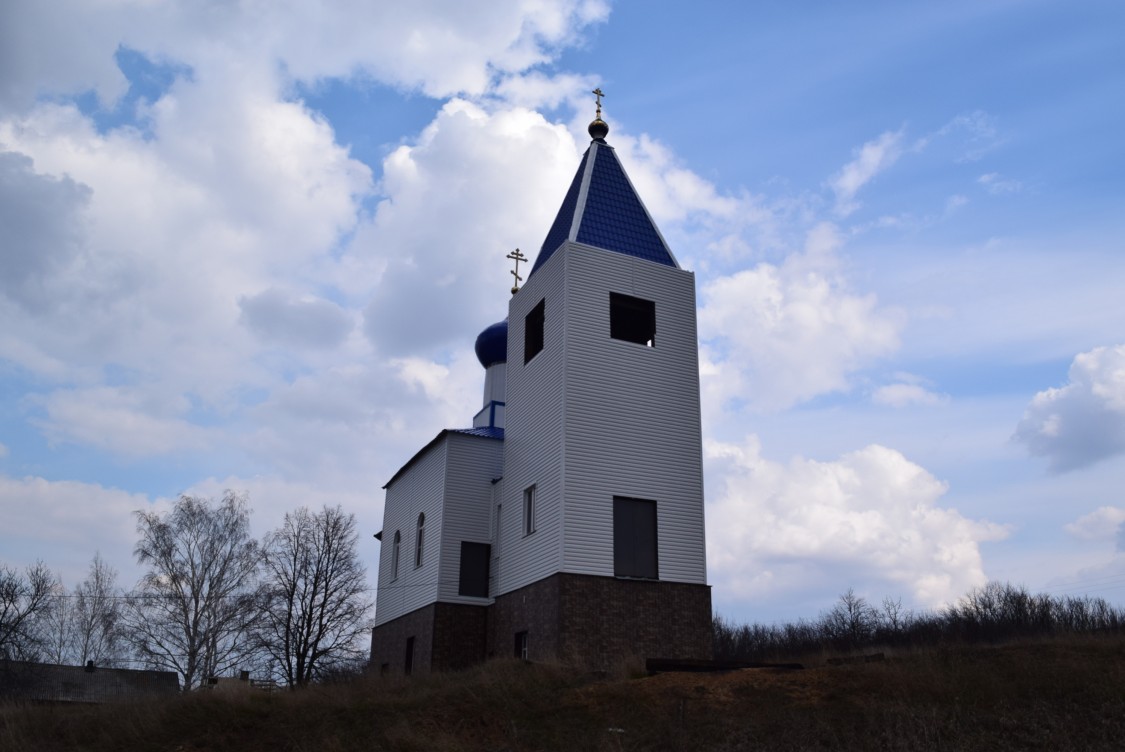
533 442
471 466
632 414
418 490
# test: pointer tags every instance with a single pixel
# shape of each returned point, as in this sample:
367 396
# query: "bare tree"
85 624
25 601
56 628
851 622
317 596
192 610
96 616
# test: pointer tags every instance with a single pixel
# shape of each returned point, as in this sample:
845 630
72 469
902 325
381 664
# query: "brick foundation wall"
606 620
598 622
388 641
583 620
533 609
460 634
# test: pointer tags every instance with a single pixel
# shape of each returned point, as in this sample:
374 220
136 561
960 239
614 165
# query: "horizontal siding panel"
418 490
633 422
472 464
533 438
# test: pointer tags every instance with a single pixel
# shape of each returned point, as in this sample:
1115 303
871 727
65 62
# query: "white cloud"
40 229
904 394
954 202
232 193
296 322
458 201
997 185
870 159
778 335
869 518
1084 421
441 47
536 89
122 420
65 523
1103 522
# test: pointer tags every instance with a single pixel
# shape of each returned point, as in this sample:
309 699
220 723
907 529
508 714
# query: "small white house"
567 522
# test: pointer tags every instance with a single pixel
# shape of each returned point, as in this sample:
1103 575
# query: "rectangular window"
474 569
529 510
634 538
632 319
533 332
408 662
521 645
396 547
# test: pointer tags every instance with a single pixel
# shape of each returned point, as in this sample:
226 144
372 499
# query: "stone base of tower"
594 623
437 637
600 622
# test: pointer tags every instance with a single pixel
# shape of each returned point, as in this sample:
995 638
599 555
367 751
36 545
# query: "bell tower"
602 524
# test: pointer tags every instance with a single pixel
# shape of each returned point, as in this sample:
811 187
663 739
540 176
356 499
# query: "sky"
250 245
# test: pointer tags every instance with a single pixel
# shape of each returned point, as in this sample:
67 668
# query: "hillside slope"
1056 695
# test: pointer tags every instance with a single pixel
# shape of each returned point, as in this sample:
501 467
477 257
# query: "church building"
567 523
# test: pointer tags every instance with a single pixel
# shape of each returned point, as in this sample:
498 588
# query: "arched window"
419 539
394 555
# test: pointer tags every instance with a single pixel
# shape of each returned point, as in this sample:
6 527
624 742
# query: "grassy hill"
1057 694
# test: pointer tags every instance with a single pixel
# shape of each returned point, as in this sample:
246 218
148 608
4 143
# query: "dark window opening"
394 554
533 332
474 569
419 540
521 645
408 664
529 511
632 319
634 538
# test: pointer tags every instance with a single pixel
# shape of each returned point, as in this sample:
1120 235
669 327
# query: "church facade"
567 523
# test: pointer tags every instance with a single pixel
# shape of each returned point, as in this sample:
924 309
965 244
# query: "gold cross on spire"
517 257
598 94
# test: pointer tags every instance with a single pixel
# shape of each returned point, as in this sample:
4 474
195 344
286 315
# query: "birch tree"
194 607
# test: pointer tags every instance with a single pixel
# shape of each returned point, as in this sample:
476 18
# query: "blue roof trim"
484 433
614 217
608 212
560 230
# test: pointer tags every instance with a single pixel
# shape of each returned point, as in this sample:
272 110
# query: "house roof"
47 682
485 432
601 208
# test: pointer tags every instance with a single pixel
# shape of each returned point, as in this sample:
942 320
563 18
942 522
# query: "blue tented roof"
602 209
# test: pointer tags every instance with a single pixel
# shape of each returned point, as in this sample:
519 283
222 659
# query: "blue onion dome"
492 344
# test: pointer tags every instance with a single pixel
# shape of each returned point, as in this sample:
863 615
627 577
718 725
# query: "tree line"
996 612
212 600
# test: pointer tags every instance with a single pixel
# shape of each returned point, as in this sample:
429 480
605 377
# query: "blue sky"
250 248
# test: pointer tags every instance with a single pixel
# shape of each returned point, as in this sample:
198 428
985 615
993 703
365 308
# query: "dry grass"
1052 695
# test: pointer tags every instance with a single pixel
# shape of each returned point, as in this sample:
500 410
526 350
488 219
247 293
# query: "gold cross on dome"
517 257
598 94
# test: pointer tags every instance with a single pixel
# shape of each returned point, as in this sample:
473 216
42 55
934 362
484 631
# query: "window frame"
629 560
419 540
629 315
396 550
533 335
529 504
